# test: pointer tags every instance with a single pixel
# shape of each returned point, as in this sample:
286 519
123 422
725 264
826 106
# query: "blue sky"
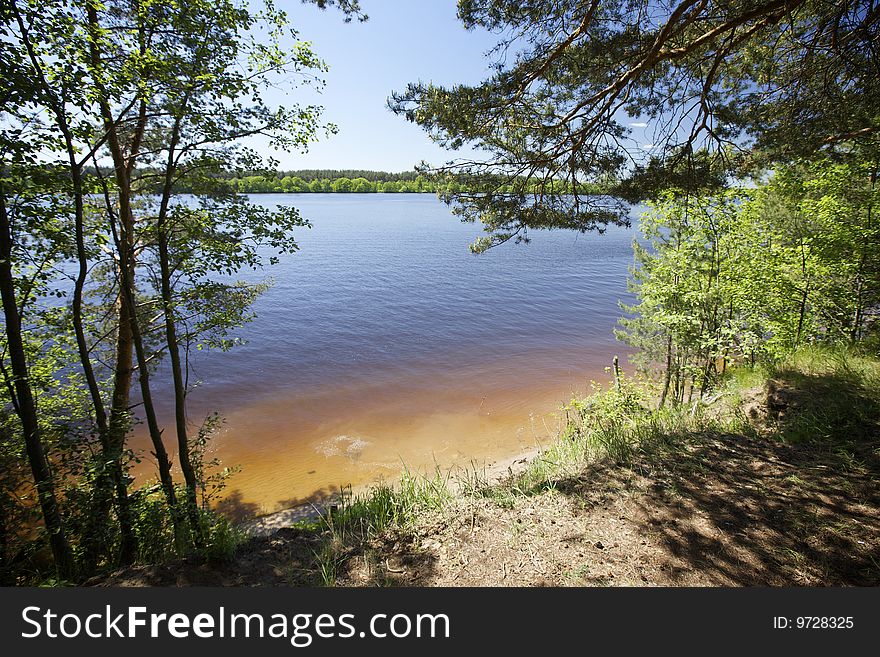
403 41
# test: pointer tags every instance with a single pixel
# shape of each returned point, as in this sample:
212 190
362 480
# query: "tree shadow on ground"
235 509
321 498
393 558
756 512
752 509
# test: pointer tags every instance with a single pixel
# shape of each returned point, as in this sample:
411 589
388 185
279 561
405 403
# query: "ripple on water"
351 447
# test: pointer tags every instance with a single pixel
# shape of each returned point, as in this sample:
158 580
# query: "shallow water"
383 341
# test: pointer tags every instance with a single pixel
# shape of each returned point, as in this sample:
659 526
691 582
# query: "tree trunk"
128 547
128 306
186 465
802 311
183 448
668 376
125 244
111 471
126 282
27 408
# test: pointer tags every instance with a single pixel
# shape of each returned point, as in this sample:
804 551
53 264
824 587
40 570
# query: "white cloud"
639 125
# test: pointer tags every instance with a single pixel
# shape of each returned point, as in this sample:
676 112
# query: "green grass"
835 393
834 398
385 506
359 518
616 426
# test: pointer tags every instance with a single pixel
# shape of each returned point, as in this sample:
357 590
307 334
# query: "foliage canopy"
724 87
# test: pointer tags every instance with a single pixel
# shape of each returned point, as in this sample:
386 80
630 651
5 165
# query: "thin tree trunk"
855 334
707 373
111 457
802 311
679 385
125 250
27 408
159 450
111 446
162 233
186 465
668 376
128 314
125 243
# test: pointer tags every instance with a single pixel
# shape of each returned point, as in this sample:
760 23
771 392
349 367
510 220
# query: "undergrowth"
356 519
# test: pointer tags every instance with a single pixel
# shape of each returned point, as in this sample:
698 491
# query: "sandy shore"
493 472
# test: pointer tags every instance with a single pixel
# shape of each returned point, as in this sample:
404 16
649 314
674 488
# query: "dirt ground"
724 512
717 510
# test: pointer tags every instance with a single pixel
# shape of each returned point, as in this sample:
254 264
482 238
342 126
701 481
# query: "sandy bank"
493 471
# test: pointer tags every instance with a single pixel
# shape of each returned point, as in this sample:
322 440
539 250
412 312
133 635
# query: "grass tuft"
357 519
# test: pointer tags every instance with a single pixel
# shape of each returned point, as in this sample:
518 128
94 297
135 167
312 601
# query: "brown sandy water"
303 449
384 343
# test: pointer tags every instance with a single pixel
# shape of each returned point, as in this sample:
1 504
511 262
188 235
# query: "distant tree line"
361 182
373 176
331 181
345 181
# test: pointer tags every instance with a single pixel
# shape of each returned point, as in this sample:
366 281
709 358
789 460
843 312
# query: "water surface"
383 341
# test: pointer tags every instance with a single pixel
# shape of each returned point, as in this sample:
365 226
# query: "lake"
385 342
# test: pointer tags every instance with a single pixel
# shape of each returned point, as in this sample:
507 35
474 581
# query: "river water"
384 342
